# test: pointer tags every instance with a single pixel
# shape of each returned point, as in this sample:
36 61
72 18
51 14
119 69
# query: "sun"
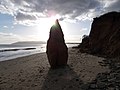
43 27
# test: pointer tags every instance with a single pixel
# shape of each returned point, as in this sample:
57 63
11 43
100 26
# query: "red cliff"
104 37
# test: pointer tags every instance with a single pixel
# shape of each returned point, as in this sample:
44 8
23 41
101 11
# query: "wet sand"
33 73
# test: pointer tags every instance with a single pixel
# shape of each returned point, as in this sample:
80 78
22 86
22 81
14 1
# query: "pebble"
33 85
93 86
109 80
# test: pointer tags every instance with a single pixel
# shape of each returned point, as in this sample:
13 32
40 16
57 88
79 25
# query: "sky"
30 20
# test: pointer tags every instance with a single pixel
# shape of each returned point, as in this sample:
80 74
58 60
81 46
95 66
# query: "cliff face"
104 38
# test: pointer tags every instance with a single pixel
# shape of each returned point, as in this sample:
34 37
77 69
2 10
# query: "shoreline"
22 56
27 56
11 53
33 72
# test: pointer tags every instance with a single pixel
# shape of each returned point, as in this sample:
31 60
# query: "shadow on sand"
67 79
62 79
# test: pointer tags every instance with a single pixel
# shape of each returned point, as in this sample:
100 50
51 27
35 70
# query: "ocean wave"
6 50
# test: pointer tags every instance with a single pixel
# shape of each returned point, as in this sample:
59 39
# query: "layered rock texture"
104 37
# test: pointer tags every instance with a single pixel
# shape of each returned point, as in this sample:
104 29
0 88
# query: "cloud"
84 29
12 27
23 16
31 10
9 37
73 38
6 34
5 27
113 5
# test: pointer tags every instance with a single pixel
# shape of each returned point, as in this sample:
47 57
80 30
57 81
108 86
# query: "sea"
9 51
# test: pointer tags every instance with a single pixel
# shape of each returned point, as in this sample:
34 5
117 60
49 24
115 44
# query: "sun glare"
43 27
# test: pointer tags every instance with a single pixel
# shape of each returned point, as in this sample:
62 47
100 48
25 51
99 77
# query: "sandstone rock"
104 37
57 51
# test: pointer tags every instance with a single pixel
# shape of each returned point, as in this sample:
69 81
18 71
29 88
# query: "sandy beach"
33 73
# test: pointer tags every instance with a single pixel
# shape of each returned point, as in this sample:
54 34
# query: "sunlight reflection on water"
7 55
